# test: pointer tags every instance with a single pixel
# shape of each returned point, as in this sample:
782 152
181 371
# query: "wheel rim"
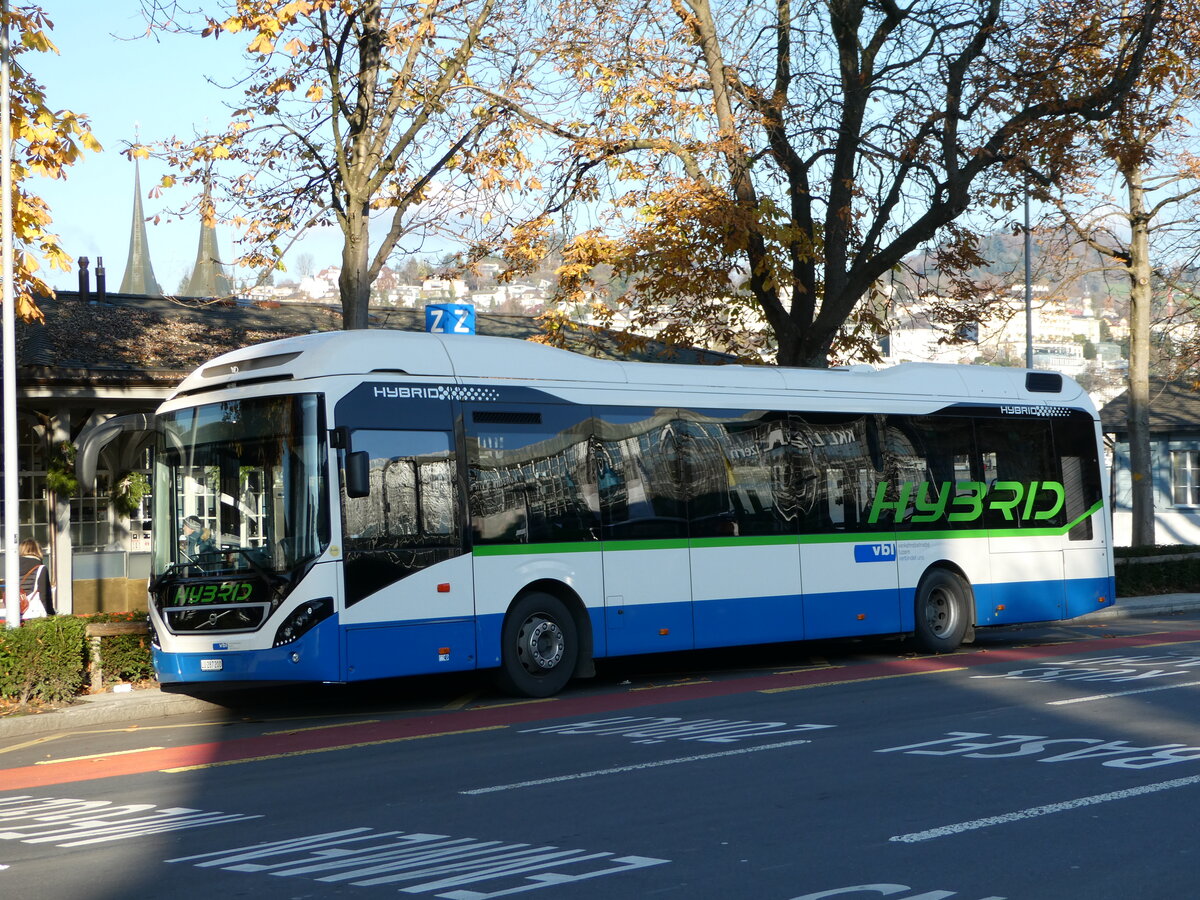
941 612
540 644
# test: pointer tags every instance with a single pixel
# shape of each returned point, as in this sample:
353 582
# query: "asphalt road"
1045 764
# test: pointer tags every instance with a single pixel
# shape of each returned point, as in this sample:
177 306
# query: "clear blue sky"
116 80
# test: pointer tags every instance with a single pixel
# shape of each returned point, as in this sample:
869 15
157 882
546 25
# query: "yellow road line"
33 743
673 684
51 762
461 701
1163 643
818 664
414 737
321 727
85 731
518 703
804 687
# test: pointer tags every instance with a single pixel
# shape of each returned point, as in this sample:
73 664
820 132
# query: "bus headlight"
303 619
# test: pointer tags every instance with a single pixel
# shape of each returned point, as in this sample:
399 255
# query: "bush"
1167 576
1156 550
126 657
43 660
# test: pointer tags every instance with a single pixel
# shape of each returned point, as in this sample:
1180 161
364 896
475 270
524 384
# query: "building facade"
1175 463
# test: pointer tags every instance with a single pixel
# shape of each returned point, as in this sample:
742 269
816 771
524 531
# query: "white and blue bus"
373 504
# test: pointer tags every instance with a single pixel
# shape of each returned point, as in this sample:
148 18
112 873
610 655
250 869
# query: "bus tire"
539 646
942 612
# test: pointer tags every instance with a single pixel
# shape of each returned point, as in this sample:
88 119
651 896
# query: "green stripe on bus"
518 549
781 540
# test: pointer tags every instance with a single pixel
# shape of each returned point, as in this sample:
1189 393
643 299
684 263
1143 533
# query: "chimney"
101 293
85 288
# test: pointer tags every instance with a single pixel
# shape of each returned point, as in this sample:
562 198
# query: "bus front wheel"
540 646
942 612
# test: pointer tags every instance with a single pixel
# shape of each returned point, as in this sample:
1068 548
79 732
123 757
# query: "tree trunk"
1140 462
354 282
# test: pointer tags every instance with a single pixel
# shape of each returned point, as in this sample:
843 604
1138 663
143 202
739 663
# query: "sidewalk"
99 710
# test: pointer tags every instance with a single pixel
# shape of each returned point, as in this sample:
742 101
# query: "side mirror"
358 477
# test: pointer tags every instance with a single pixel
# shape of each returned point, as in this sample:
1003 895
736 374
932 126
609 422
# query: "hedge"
46 660
1158 576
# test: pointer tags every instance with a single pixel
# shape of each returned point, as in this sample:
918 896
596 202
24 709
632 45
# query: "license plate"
211 665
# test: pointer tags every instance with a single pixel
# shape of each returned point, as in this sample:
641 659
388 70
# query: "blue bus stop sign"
450 318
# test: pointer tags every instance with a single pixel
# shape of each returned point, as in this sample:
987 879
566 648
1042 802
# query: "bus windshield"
240 487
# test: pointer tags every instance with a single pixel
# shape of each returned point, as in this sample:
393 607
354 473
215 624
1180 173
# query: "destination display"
217 593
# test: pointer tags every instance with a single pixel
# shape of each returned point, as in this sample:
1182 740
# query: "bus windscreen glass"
240 488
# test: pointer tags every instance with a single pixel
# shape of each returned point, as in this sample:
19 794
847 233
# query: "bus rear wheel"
942 612
539 646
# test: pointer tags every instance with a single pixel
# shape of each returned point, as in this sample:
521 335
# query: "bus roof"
476 357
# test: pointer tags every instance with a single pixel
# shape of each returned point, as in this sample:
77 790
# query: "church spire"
139 273
208 277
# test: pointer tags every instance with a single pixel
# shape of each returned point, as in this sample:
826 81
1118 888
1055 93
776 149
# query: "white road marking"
451 868
617 770
1163 687
78 823
1035 811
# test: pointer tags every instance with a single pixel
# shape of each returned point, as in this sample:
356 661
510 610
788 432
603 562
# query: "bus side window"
1018 458
733 464
933 455
838 466
411 483
642 494
531 476
1076 447
409 518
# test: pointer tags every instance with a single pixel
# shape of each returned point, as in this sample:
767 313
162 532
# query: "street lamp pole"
1028 287
12 527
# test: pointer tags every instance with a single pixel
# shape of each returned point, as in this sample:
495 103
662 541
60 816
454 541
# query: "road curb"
1141 606
106 709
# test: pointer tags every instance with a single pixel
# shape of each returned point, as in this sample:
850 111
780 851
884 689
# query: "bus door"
409 591
643 508
847 556
1024 511
738 467
1086 564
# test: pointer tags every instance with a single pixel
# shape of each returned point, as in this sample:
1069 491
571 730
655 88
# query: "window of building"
92 515
141 519
33 513
1185 477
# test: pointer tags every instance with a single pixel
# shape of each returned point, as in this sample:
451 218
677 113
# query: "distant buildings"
1069 336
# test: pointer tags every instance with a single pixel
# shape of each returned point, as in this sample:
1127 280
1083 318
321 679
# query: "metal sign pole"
1028 286
12 527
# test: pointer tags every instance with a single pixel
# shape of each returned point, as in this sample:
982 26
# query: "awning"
96 437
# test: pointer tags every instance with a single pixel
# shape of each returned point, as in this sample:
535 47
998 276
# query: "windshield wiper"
260 570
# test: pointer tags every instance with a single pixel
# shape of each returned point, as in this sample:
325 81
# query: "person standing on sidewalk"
35 581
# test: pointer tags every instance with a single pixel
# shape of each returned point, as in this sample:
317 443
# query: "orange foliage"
45 144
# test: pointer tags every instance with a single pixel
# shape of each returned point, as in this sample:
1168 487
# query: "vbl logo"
885 552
